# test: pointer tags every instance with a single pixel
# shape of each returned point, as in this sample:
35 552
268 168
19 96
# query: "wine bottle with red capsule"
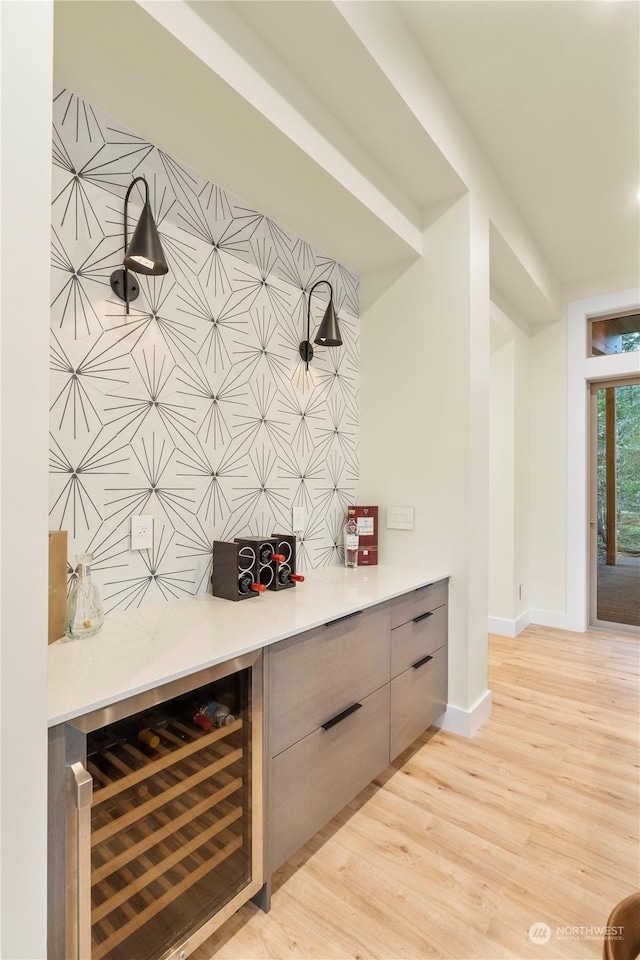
285 557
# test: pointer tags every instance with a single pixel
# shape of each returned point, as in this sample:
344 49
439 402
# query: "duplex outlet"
142 533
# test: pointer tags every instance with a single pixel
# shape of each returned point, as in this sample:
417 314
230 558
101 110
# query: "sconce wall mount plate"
306 351
122 283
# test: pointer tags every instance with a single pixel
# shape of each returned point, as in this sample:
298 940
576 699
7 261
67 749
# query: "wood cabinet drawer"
418 698
410 605
315 778
315 676
412 641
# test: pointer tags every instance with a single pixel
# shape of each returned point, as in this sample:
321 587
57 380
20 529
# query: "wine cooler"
156 817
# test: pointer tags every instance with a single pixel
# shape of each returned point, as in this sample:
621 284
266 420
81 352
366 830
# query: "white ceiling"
549 90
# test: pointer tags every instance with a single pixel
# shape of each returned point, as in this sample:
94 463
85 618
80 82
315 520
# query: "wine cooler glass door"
168 817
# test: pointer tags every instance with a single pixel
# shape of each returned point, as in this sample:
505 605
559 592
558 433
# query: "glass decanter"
85 614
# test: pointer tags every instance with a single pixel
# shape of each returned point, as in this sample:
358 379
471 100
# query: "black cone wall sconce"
143 255
329 333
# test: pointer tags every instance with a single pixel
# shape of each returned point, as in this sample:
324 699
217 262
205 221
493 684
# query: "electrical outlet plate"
400 518
142 533
297 519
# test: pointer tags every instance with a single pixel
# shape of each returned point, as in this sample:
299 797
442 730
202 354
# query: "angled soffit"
284 105
188 110
513 289
313 40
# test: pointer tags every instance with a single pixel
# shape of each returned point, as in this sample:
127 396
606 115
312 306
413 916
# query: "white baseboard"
466 722
509 628
545 618
523 621
551 618
502 626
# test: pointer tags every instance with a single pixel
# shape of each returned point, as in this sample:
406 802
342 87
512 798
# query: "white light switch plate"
400 518
142 533
297 519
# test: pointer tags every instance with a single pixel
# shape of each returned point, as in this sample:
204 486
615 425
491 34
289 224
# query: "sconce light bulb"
144 262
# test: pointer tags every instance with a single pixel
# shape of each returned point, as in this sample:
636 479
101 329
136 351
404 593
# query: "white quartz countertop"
141 649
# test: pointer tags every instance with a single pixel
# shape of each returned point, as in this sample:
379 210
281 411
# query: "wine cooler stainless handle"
348 616
83 795
341 716
423 616
421 663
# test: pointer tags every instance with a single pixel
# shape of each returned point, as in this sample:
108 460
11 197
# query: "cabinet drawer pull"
342 716
356 613
420 663
423 616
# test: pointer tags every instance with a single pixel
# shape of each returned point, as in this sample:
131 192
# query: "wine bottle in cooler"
212 714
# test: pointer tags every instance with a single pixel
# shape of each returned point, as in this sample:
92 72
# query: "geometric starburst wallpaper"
195 408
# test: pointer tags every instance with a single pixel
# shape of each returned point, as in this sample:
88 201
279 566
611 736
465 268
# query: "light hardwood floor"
461 845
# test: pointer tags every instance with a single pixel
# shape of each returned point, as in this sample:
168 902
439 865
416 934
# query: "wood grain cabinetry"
413 640
414 604
418 664
316 777
328 696
418 698
315 676
342 701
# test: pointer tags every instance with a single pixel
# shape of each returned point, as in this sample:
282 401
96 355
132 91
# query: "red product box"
367 520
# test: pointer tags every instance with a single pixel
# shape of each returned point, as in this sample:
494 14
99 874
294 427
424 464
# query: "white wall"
502 488
548 457
509 486
522 477
424 424
26 56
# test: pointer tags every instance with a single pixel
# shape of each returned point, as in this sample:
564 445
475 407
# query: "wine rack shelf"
161 821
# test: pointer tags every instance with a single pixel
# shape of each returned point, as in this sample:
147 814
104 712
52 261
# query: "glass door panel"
615 539
170 820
